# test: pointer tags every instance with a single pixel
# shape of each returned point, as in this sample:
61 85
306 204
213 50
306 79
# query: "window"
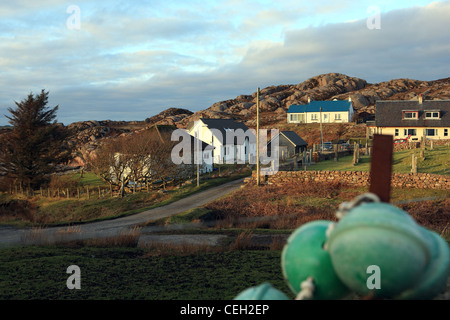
396 132
431 132
314 116
432 115
410 132
410 115
445 132
337 116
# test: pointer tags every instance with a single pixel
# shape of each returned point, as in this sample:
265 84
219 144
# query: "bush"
64 182
11 209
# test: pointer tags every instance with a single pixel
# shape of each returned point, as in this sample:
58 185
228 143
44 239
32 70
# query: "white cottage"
333 111
233 141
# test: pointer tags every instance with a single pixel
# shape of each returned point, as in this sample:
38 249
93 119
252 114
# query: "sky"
130 60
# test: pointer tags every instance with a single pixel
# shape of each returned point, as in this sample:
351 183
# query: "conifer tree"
35 145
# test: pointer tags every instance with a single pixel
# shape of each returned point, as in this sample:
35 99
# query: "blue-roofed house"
332 111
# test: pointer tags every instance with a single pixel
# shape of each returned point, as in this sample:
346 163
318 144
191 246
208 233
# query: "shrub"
64 182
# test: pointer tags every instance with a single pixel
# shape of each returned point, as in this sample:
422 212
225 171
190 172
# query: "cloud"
129 62
411 43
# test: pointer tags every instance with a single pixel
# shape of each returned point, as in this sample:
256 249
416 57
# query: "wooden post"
413 164
258 169
381 166
335 152
99 195
88 194
78 192
68 196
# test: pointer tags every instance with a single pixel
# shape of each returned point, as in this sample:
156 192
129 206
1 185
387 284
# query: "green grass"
436 161
52 211
134 273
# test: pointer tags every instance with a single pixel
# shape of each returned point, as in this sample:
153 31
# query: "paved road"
12 236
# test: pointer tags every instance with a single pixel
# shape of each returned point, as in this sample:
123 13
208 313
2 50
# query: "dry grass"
276 207
434 215
168 249
69 237
294 203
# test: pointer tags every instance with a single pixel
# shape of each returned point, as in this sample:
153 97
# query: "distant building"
233 142
412 119
290 144
334 111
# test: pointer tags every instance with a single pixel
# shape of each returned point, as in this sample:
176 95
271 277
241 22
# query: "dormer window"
432 114
410 115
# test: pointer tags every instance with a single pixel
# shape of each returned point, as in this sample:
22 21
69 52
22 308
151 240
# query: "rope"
345 207
307 289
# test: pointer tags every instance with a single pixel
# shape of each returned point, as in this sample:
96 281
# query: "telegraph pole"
258 169
198 162
321 134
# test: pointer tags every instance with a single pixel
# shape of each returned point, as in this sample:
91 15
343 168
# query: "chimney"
309 99
350 99
420 99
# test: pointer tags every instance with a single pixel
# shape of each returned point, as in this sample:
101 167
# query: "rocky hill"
275 100
274 103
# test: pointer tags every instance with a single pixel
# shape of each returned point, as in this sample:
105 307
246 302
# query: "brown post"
381 166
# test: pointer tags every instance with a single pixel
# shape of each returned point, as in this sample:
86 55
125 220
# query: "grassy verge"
436 161
56 211
134 273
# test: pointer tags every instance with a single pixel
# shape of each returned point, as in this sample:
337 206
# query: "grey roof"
294 138
223 125
389 113
194 141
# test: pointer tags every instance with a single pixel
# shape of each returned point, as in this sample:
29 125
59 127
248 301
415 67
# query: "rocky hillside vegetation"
274 103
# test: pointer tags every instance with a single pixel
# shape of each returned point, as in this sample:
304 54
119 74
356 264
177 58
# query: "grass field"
436 161
57 211
134 273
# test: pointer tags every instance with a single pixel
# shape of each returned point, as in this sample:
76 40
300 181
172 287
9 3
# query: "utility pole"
198 162
321 134
258 169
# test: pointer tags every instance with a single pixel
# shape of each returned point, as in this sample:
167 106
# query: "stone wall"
361 179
